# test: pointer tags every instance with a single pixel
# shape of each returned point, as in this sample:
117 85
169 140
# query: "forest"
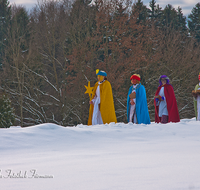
49 53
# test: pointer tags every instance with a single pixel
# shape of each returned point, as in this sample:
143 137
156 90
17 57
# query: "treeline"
50 53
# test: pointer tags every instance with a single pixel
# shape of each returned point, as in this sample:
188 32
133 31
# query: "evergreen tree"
194 22
169 17
19 26
181 20
17 55
142 11
7 117
152 10
155 12
5 16
173 19
82 20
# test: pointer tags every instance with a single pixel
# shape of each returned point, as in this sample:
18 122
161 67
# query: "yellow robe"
107 108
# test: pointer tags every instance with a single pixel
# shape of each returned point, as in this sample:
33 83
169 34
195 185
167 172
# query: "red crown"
135 77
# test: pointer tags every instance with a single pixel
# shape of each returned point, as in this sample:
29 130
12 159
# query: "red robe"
172 108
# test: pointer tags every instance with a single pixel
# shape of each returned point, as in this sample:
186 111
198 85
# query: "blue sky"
186 5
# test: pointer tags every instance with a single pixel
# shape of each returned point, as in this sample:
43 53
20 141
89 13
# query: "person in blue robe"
137 108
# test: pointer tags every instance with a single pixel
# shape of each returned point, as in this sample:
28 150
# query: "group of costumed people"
102 108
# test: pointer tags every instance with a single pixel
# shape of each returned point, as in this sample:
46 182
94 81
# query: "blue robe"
142 112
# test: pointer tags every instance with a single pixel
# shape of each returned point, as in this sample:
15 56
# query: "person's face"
100 78
134 81
164 81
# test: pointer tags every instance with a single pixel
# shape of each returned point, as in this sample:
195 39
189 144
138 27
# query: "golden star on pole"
89 89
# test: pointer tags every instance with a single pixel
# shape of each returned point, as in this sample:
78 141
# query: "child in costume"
196 94
103 110
137 109
166 109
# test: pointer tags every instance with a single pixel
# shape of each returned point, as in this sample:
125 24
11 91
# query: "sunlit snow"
102 157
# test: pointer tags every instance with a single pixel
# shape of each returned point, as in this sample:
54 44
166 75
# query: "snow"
102 157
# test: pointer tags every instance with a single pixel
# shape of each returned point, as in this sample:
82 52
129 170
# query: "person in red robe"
166 109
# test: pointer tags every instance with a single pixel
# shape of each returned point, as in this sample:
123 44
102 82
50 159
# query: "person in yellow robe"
103 110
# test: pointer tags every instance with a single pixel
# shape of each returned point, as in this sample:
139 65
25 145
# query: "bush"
7 117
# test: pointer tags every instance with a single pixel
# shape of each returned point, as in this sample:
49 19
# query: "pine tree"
173 19
194 22
169 16
155 12
5 16
152 5
142 11
181 20
7 117
82 20
17 54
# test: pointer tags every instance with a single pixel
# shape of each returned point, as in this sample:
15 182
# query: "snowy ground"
103 157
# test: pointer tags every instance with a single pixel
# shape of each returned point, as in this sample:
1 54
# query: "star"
89 89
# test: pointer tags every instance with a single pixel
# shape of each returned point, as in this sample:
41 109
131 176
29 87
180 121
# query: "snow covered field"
102 157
